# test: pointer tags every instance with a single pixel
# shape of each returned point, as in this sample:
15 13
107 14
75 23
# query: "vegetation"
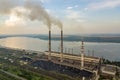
4 76
19 71
102 78
29 75
29 72
106 61
26 71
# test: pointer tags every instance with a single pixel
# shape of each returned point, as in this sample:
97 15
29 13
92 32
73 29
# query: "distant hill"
114 38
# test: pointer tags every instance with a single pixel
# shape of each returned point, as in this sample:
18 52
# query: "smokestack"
61 45
82 55
49 56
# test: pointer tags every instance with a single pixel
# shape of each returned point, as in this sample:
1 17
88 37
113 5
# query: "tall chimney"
82 55
61 45
49 56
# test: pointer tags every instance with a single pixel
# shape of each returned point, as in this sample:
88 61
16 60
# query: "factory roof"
73 56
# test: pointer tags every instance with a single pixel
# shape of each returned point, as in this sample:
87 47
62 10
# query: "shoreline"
40 52
72 39
30 51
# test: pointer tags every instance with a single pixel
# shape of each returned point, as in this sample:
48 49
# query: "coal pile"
50 66
26 59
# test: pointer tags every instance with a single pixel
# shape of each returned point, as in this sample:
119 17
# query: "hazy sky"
77 16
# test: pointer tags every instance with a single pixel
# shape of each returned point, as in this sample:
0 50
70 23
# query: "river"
110 51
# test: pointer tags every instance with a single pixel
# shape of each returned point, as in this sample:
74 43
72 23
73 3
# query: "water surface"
110 51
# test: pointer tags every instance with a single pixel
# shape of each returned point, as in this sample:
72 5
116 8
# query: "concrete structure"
74 57
82 62
49 56
61 45
108 70
82 55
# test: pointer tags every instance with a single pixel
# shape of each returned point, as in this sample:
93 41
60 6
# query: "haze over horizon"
77 16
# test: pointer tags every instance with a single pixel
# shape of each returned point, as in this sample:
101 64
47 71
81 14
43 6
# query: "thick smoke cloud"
29 9
37 12
7 5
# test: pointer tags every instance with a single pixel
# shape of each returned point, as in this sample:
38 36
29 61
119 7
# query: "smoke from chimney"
33 10
7 5
57 22
37 12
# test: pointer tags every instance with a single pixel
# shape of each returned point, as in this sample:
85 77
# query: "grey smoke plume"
37 12
7 5
57 22
34 11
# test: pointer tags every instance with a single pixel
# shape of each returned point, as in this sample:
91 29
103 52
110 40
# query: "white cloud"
104 4
76 6
74 15
69 7
85 9
44 1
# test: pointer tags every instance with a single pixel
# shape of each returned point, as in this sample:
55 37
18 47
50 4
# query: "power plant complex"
84 63
79 66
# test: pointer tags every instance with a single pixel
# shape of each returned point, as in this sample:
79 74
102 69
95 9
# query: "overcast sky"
77 16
